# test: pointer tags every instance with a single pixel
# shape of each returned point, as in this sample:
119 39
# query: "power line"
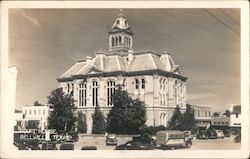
221 21
229 17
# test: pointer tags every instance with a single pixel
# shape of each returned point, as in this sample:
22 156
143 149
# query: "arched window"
126 41
68 88
163 84
164 99
160 83
116 41
160 99
82 94
110 92
95 93
72 91
143 83
113 41
136 84
124 83
120 40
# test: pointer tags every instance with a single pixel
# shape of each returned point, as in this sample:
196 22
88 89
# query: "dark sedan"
27 144
134 145
49 146
111 140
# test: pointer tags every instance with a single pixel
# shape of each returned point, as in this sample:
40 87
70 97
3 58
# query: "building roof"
120 62
199 107
124 59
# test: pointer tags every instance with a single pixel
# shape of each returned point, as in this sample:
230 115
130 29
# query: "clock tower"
120 36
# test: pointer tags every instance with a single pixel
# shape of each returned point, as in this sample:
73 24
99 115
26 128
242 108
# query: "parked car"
146 139
134 145
202 134
49 146
227 133
188 134
89 148
219 134
212 134
74 136
27 144
67 146
111 139
171 139
237 138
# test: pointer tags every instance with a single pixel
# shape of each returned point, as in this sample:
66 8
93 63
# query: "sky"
44 43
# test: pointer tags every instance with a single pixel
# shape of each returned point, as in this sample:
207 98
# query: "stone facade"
146 75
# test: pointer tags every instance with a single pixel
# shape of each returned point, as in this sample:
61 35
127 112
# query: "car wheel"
188 144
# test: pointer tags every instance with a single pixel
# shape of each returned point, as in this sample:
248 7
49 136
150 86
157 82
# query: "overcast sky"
44 43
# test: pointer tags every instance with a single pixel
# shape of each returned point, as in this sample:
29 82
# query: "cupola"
120 36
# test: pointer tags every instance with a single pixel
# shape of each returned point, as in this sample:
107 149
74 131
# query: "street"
210 144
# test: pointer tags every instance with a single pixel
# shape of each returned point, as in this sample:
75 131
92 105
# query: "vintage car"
171 139
134 145
67 146
49 146
111 139
202 134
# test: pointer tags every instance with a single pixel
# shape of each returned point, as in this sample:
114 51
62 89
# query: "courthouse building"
152 77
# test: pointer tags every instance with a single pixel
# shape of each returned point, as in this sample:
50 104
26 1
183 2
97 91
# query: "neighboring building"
218 121
18 116
35 116
235 117
152 77
202 116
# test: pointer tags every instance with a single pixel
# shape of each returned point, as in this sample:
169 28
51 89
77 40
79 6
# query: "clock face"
118 22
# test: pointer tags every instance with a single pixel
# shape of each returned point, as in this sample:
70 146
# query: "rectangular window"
68 88
34 112
30 112
72 92
236 115
82 94
43 112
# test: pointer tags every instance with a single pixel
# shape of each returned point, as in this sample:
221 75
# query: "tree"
36 103
127 115
81 123
215 114
176 122
99 124
227 113
62 117
188 118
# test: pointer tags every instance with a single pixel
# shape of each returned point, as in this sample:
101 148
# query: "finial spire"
121 13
